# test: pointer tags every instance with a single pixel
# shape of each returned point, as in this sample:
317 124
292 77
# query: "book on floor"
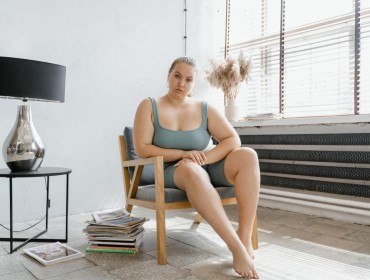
53 253
109 215
114 231
112 249
123 222
134 242
114 238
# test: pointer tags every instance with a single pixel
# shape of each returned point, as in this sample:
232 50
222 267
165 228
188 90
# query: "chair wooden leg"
129 208
255 235
198 219
161 237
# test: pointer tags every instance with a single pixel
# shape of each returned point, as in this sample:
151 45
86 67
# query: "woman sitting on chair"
179 128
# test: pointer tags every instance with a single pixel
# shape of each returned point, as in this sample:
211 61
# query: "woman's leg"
195 181
242 170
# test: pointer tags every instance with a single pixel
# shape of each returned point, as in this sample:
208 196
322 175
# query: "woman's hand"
197 157
182 161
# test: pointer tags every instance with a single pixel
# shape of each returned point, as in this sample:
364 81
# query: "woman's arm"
143 135
221 129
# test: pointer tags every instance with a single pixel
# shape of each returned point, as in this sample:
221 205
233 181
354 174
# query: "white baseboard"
347 210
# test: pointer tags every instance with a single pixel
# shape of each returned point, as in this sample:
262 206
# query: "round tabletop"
41 172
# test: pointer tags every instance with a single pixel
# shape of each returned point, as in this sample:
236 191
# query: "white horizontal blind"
364 96
318 57
304 56
254 29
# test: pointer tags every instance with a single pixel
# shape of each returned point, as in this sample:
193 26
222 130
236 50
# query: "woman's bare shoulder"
146 101
145 104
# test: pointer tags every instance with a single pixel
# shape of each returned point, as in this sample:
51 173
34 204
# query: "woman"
179 128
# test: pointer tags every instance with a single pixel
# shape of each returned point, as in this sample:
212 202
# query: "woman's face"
181 79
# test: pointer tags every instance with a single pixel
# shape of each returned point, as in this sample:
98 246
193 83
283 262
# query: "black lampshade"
31 80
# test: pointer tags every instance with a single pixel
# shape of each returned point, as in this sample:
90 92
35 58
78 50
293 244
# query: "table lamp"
26 79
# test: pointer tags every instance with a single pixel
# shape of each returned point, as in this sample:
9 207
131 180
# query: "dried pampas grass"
228 74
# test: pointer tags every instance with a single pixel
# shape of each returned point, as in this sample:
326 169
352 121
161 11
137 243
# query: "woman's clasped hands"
197 157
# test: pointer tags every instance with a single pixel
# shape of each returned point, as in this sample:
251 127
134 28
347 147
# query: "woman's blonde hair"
184 59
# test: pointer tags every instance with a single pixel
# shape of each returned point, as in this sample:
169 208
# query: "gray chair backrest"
147 178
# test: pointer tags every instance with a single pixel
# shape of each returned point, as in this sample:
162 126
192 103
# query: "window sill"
303 121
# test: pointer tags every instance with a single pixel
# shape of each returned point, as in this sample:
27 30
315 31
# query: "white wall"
116 53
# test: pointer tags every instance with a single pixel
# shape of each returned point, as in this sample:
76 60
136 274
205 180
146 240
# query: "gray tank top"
196 139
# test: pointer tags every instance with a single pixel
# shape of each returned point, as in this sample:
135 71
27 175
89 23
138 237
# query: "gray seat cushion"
146 191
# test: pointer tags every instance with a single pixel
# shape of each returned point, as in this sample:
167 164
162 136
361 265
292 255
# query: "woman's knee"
189 173
244 154
240 161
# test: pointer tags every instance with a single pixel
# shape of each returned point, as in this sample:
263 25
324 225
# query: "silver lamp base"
23 149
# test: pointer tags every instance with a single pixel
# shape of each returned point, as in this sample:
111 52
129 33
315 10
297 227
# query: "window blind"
310 57
254 29
318 57
364 75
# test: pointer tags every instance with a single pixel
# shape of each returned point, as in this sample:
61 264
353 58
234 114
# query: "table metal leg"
67 197
11 213
47 204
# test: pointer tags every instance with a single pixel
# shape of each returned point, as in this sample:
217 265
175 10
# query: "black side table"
41 172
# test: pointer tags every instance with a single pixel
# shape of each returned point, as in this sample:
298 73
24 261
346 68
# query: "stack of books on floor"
114 231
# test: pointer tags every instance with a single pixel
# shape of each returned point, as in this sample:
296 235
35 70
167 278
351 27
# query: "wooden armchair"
144 187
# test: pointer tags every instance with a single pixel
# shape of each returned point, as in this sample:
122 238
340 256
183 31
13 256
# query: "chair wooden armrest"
132 184
139 162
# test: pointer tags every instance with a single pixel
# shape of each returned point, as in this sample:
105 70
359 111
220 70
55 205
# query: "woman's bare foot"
247 243
243 263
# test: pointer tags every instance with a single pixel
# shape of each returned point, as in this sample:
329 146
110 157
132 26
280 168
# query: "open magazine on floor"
53 253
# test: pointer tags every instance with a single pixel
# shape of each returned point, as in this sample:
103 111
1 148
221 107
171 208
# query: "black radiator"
330 163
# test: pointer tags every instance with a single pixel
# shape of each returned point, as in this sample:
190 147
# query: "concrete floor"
292 246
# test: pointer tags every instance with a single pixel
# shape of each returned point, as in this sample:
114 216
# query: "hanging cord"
227 30
25 228
185 24
21 230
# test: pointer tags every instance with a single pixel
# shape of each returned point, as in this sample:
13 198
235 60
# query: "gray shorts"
214 170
